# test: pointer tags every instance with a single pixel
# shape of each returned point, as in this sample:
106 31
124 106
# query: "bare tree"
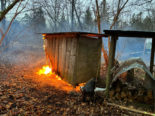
119 9
62 14
54 10
4 12
99 31
74 12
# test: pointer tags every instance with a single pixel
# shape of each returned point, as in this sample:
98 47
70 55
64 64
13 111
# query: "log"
131 109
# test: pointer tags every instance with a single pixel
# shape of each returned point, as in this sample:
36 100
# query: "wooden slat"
50 50
54 45
70 61
73 60
57 54
51 57
71 70
63 57
67 59
46 44
54 53
60 57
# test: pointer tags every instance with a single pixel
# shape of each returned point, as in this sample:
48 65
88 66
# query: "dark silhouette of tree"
88 20
37 19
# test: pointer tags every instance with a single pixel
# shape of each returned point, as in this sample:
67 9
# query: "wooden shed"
75 56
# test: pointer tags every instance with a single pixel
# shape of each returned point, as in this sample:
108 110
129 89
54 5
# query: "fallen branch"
131 109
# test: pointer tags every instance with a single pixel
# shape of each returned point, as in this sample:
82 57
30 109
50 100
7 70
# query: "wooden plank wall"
76 60
62 54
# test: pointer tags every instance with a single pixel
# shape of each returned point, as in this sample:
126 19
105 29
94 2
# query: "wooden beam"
73 34
120 33
151 67
152 55
110 63
153 95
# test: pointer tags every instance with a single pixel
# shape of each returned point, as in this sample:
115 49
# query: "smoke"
129 47
132 47
126 48
22 46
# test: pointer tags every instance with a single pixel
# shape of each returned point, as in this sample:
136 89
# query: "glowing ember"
58 77
45 70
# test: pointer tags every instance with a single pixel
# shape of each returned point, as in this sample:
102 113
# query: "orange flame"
55 80
45 70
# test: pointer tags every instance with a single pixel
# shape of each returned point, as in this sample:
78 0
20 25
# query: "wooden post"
110 63
153 96
152 55
151 68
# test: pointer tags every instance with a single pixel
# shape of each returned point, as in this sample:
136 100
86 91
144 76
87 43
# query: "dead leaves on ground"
20 95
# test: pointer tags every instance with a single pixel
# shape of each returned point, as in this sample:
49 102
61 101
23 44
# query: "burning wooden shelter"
75 56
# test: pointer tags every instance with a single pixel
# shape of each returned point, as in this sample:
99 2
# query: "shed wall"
75 59
88 59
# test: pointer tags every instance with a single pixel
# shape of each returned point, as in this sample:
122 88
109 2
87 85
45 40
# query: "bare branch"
119 9
15 15
4 12
1 32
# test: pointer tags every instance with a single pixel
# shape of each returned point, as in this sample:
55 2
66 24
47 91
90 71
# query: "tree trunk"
72 15
105 55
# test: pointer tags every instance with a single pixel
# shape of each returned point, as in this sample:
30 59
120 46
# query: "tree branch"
4 12
15 15
119 9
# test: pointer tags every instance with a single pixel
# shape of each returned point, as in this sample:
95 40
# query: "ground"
24 92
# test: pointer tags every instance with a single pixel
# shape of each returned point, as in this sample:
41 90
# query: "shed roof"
120 33
74 34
